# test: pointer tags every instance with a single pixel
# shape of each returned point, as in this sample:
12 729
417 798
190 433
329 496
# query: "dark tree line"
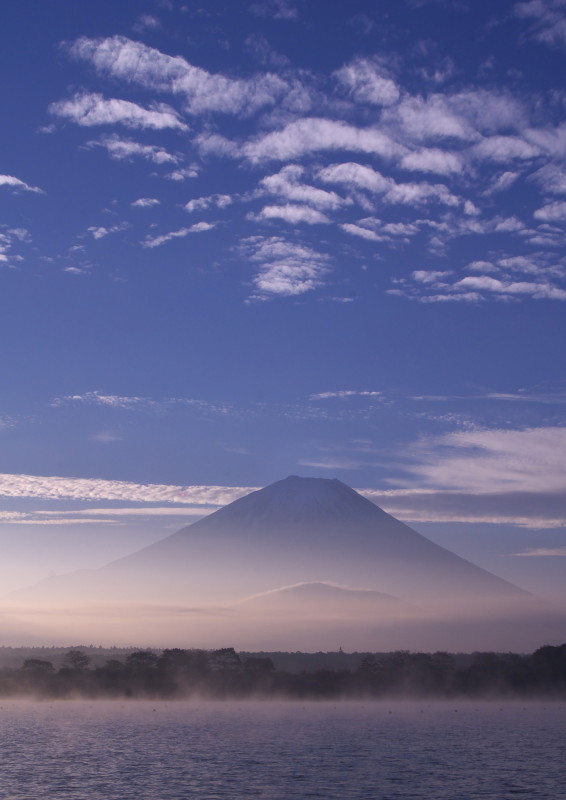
177 673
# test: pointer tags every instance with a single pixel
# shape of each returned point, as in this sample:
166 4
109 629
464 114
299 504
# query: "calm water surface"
375 750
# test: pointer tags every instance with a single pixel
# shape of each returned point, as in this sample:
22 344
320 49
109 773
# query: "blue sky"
246 240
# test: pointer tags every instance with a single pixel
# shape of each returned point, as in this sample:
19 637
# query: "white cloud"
286 184
538 291
358 176
99 232
126 149
432 159
212 201
136 63
368 82
105 437
502 182
549 26
10 238
492 461
430 276
57 488
534 265
146 22
331 463
293 214
145 202
543 508
100 399
139 511
121 402
376 230
259 46
421 193
553 212
345 393
312 134
276 9
15 183
537 552
502 149
285 269
217 145
550 140
482 266
551 179
519 508
463 116
363 233
157 241
355 176
183 173
88 109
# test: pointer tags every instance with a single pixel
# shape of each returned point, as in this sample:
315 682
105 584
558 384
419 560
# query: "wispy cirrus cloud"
332 462
542 552
284 268
492 461
313 134
145 202
101 231
183 173
552 212
212 201
542 509
359 177
101 399
344 393
90 109
287 184
120 149
59 488
433 159
157 241
464 116
548 20
134 62
107 516
368 81
10 182
133 402
524 509
10 239
440 287
502 182
276 9
504 149
355 176
292 213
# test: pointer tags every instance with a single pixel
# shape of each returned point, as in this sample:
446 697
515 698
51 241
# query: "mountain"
297 530
301 556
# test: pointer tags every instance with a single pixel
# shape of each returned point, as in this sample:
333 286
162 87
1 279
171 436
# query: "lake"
378 750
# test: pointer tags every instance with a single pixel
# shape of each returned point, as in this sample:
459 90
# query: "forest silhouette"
224 674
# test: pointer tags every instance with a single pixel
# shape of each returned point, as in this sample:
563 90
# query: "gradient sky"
245 240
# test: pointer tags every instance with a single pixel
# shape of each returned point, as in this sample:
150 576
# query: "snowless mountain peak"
297 499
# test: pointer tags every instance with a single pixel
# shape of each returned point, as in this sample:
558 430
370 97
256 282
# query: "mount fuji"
303 557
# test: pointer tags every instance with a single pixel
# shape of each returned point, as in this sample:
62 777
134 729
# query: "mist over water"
277 751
